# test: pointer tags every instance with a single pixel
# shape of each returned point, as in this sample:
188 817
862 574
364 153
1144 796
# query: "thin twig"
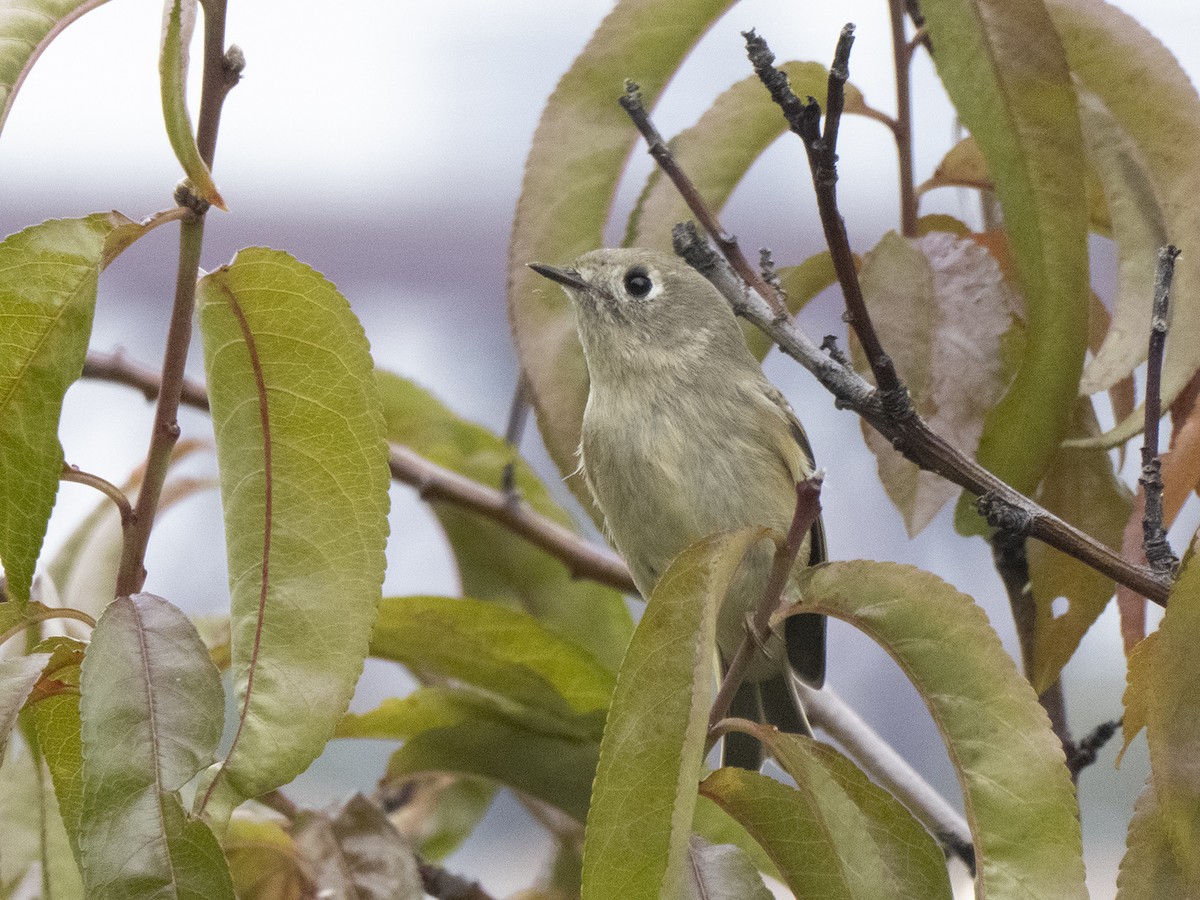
1000 504
1085 752
821 147
902 53
45 614
1154 536
221 72
77 476
632 103
758 628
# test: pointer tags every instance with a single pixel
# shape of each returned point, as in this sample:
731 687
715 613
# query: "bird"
683 437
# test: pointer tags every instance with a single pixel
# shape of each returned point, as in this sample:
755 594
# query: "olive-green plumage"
684 437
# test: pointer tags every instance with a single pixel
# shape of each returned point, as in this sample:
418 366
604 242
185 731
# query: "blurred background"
384 145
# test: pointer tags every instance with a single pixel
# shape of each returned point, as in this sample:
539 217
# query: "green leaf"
55 707
494 563
399 718
808 833
1082 488
496 649
264 861
554 769
1018 795
720 148
48 275
1138 684
33 830
1138 230
1143 86
579 151
644 797
304 485
942 307
179 21
359 854
151 714
1149 870
1172 710
718 827
885 834
721 872
1005 71
17 678
25 31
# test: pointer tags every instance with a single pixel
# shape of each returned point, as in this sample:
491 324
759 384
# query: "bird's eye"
637 282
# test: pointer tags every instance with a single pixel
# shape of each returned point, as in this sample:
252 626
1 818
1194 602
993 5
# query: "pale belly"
660 493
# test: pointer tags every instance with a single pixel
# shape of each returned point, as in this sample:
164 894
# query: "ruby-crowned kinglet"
684 437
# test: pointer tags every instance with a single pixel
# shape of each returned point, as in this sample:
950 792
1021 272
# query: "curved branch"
583 558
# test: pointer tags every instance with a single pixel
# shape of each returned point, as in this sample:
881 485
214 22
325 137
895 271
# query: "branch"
1012 564
116 368
758 629
443 885
581 557
890 413
1154 536
221 72
902 54
1083 754
1001 505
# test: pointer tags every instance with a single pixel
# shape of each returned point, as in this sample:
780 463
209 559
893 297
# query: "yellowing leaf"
1139 232
1149 870
1005 71
304 486
1172 708
48 276
1083 489
1019 799
1144 88
941 307
644 796
264 861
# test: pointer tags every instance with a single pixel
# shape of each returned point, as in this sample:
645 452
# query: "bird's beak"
566 277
